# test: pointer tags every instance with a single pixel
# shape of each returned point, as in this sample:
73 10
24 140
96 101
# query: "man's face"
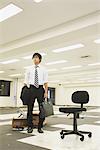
36 60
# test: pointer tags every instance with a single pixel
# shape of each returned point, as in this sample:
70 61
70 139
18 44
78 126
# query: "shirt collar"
37 65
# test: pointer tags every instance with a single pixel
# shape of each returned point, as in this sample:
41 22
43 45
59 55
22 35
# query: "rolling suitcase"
21 123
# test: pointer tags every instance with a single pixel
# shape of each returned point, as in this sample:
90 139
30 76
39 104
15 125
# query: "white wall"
19 87
63 95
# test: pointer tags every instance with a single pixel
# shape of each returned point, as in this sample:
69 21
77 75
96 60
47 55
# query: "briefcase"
21 123
48 108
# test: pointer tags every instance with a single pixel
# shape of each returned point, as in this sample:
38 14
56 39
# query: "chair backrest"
80 97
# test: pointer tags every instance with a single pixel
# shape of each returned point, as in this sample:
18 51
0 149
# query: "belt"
34 86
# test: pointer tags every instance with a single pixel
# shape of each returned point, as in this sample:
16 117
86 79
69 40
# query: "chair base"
80 133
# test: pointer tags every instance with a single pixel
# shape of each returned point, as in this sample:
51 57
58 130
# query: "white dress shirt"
30 75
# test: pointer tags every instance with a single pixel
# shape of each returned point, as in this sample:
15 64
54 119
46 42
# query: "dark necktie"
36 81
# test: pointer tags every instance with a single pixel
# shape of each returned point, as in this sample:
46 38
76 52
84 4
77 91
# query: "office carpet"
50 140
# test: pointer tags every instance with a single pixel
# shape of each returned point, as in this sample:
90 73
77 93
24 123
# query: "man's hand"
46 90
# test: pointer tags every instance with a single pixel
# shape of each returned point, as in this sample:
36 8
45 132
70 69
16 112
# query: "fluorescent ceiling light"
81 81
72 67
93 81
78 82
27 67
84 79
1 71
30 56
9 11
68 48
66 82
55 81
10 61
56 62
97 77
97 41
94 64
14 75
50 70
38 1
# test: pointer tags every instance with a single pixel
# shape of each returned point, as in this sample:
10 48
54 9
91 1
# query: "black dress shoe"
40 131
30 130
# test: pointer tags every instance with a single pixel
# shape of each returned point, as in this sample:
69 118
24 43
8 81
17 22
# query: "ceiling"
51 24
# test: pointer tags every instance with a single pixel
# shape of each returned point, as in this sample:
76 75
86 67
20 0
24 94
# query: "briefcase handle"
46 100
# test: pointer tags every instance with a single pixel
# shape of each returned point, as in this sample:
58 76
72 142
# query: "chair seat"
71 109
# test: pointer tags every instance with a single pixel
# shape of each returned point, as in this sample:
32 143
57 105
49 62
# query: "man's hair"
37 54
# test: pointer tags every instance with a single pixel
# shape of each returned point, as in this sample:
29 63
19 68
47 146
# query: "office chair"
79 97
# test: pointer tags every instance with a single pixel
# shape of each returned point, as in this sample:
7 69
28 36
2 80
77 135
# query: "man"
35 78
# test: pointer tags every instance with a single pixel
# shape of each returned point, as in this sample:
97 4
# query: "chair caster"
82 138
61 132
90 135
62 137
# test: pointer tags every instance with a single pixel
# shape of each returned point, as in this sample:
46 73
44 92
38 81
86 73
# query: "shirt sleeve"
45 76
26 77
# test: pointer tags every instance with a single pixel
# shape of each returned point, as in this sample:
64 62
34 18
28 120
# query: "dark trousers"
35 93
